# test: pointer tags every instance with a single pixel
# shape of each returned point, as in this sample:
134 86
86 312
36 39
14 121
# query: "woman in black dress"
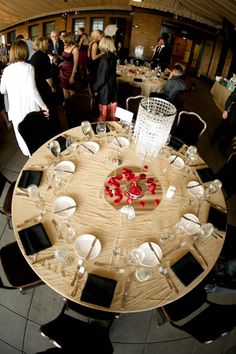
105 86
43 77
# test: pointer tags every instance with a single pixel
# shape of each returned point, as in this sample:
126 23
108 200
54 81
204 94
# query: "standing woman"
105 85
68 68
18 84
43 77
94 55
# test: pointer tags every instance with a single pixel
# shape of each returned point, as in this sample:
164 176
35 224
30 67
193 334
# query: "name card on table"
124 115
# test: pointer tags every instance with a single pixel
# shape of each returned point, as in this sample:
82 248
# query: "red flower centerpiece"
132 185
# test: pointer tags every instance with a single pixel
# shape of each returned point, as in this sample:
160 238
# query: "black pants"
225 131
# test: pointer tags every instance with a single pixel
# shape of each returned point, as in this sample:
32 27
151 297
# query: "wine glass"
34 195
116 161
86 128
101 129
212 187
205 231
55 149
67 231
135 256
71 144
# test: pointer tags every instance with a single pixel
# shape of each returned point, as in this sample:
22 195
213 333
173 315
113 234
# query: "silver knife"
200 254
86 147
154 251
125 293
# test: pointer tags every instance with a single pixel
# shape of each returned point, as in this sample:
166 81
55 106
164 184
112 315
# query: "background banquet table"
147 78
94 215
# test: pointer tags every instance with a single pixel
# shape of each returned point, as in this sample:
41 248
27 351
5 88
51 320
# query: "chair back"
186 305
132 104
190 126
215 321
126 89
66 332
78 108
17 271
6 193
35 130
227 175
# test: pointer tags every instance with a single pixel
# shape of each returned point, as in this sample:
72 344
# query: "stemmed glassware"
34 195
67 231
86 128
71 144
205 231
116 161
101 129
192 156
212 187
55 149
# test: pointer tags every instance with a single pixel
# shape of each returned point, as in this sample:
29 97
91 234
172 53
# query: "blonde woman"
105 85
68 68
18 84
94 54
43 77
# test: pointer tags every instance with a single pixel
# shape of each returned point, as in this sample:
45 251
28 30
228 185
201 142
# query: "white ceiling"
209 12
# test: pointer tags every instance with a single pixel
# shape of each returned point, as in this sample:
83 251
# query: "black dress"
42 68
105 84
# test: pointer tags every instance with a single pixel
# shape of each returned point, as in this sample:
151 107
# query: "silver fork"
32 220
171 284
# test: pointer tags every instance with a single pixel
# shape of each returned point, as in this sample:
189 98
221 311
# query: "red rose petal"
157 201
142 204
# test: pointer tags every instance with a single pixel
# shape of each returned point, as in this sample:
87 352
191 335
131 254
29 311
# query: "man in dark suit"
161 56
55 49
55 44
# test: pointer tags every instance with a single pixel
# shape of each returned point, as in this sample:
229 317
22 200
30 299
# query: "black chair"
66 332
16 269
90 315
132 104
215 321
228 250
227 175
126 89
6 193
78 108
186 305
35 130
190 126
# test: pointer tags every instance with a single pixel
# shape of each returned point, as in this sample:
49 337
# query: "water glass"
212 187
191 151
34 195
55 148
62 255
144 274
101 129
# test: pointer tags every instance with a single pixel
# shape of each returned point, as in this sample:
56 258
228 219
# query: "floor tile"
8 349
180 346
12 327
128 348
34 341
131 328
46 305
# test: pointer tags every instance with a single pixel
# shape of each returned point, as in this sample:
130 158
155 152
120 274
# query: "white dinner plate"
92 145
178 162
64 206
195 189
65 168
150 260
83 244
190 226
124 142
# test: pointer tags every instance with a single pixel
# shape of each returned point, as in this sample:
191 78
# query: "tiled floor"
136 333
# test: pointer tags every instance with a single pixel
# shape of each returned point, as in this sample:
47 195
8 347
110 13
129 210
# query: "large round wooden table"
97 215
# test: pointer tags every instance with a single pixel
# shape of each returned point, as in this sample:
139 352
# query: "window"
33 32
48 27
78 23
11 37
97 23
